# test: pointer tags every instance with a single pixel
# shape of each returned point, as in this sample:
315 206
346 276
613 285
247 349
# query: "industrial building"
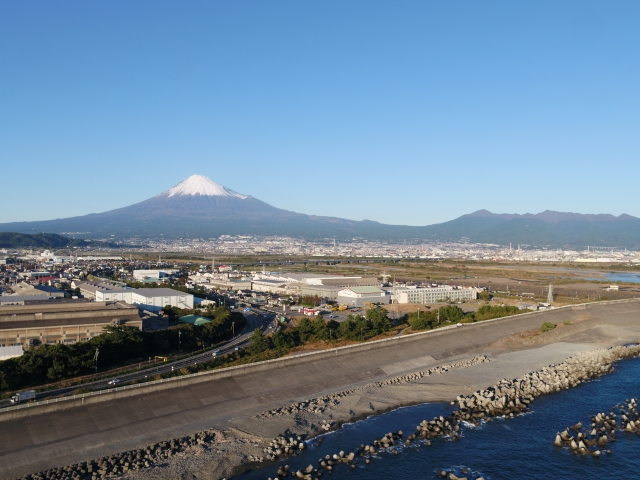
440 293
271 286
21 299
358 296
329 287
153 275
62 322
152 299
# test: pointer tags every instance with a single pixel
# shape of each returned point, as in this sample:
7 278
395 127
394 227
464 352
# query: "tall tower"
550 294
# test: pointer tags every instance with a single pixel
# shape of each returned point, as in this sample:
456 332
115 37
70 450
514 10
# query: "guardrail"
302 355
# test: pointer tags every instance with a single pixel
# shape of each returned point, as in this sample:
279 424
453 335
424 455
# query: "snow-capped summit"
201 185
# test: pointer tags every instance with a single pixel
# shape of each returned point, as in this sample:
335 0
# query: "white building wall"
436 294
156 303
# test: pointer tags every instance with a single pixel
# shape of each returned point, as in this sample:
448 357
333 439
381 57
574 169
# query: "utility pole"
179 342
233 329
95 358
550 295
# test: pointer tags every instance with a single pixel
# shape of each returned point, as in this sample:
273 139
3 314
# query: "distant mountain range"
40 240
199 207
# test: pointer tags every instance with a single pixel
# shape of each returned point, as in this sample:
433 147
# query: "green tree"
379 320
320 330
451 313
259 343
422 320
306 329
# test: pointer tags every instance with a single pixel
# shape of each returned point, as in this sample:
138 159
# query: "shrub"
546 326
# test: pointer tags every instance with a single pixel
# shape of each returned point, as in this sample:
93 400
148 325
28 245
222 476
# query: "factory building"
330 287
152 299
62 322
358 296
440 293
270 286
142 275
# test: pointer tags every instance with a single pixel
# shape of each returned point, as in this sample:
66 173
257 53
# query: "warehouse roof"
365 290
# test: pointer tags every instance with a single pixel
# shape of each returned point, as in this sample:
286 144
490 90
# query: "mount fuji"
198 207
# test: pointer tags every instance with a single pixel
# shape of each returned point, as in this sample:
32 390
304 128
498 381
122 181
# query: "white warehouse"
152 299
358 296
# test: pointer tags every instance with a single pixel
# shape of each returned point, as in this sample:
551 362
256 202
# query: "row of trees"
116 346
450 314
375 323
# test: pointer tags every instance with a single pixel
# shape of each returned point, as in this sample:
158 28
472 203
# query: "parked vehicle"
27 396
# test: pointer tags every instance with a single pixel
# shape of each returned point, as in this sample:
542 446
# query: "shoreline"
243 451
236 443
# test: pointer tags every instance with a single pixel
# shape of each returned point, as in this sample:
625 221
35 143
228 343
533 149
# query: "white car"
114 381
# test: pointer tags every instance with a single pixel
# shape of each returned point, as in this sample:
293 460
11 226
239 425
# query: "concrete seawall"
69 431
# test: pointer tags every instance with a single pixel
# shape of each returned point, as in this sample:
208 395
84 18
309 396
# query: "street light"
233 329
179 343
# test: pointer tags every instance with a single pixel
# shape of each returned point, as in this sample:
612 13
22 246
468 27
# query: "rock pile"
319 405
590 440
121 463
433 371
510 397
460 473
283 446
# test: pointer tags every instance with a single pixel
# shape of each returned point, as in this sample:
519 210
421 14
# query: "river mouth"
502 448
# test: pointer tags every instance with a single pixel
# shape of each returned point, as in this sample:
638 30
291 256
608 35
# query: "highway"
255 319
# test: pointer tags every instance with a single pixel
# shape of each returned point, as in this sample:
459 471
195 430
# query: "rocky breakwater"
507 399
510 397
283 446
594 438
122 463
321 404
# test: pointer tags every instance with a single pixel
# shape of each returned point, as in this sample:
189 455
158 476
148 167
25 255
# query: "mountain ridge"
200 207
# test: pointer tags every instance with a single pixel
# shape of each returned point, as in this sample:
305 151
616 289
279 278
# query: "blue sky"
401 112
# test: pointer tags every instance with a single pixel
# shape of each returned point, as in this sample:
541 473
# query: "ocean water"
516 448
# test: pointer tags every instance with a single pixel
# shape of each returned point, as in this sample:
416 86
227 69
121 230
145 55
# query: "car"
114 381
237 348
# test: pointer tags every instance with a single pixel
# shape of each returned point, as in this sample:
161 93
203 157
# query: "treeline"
452 314
374 323
118 345
265 347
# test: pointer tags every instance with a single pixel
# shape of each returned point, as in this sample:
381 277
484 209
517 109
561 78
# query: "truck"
24 396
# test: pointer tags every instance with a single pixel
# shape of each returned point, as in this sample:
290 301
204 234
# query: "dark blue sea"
518 448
